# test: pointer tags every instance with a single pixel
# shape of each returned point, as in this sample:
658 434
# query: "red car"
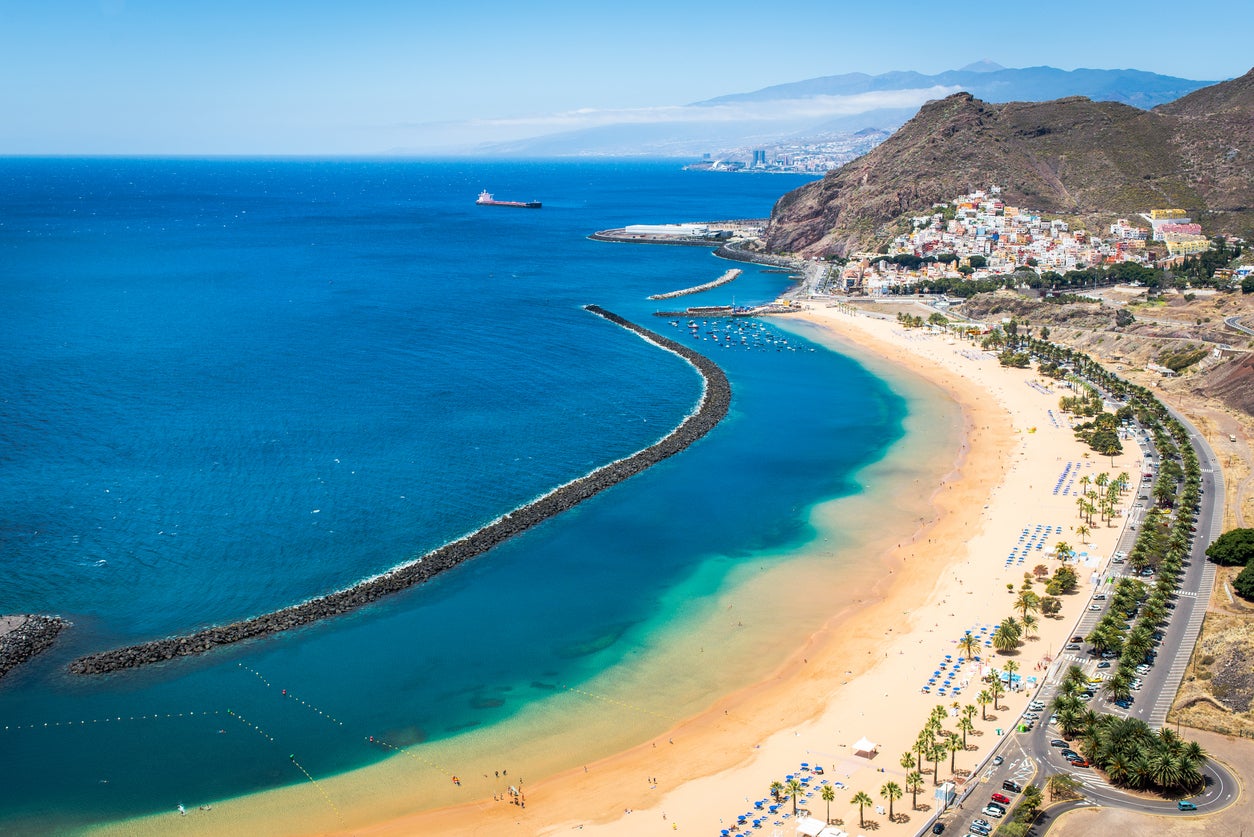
1001 798
1079 763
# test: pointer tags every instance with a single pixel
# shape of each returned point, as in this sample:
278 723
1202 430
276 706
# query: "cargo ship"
486 199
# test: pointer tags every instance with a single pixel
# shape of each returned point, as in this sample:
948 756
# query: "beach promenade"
864 675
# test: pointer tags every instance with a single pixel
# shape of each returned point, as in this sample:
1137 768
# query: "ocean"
231 385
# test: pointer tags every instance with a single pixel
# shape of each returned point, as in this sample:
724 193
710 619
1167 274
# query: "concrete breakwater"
23 637
727 276
715 401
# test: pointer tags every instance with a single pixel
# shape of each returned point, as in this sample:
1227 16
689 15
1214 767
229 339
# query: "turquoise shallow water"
231 385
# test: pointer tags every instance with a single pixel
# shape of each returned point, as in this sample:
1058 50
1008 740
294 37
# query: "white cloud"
813 107
770 116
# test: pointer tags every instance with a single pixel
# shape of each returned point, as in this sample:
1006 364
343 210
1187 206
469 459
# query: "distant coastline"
714 404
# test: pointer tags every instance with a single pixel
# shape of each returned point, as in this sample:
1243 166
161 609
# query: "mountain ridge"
802 110
1068 156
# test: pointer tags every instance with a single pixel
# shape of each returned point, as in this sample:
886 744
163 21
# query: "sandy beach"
950 554
862 675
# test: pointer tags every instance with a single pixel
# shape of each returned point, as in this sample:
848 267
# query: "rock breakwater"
715 401
722 280
23 637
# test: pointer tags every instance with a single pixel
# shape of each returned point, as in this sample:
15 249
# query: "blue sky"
371 76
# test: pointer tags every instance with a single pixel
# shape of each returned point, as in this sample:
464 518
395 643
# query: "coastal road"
1029 758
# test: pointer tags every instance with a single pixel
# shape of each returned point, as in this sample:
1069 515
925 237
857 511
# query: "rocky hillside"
1068 156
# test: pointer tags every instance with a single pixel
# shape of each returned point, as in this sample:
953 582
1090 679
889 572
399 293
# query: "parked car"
1100 597
979 830
1058 742
1104 664
1013 787
998 759
1073 646
991 811
1185 805
1001 799
1069 753
1079 762
982 823
938 828
1077 639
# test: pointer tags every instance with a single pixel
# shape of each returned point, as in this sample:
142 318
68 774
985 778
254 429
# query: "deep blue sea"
226 386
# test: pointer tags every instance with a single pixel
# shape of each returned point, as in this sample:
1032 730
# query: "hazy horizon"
139 77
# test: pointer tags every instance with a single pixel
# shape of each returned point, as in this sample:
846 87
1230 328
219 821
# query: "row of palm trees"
889 790
1126 749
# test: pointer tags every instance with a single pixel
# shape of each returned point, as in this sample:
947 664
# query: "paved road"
1029 758
1235 322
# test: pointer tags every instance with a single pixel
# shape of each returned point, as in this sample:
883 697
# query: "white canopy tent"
809 826
814 827
865 746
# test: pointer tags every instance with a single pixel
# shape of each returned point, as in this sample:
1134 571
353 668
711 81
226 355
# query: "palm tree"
984 698
934 754
1083 531
890 791
994 684
828 793
1005 638
968 645
914 784
1030 622
1027 601
907 760
920 748
953 744
862 800
794 790
777 788
1011 667
966 725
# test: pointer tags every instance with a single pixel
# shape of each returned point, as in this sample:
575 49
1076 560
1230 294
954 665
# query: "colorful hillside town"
978 235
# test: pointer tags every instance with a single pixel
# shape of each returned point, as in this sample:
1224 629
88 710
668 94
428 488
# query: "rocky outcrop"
715 401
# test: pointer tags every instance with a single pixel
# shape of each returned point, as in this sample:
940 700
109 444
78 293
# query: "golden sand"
879 629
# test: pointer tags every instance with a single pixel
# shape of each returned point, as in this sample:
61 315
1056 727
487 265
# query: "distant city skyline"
385 76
